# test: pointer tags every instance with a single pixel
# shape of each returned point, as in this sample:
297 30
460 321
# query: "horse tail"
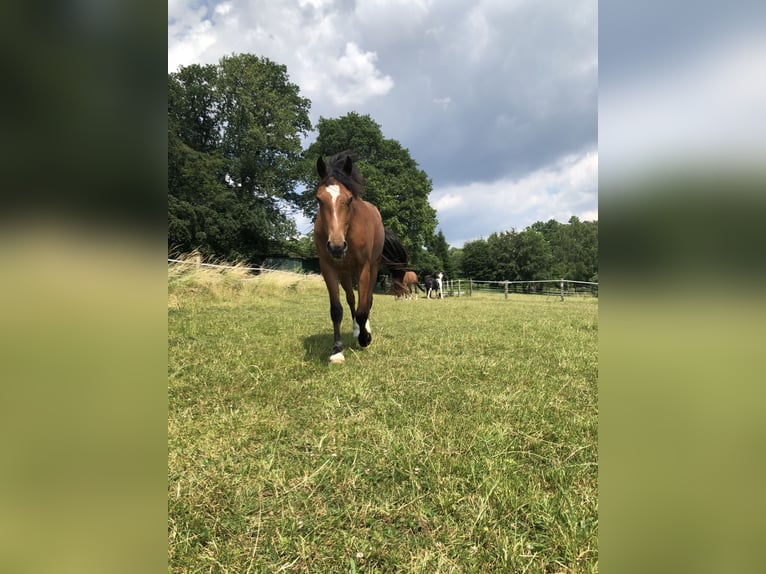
419 287
394 256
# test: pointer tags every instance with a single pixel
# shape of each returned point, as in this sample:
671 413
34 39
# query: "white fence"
561 287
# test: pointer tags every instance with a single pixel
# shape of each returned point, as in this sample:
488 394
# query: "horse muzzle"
337 250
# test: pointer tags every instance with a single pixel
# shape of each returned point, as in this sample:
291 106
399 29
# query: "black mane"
335 169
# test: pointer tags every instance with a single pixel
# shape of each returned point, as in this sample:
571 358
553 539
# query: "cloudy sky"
495 99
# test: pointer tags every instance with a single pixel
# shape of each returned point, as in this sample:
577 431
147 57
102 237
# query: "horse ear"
321 167
348 165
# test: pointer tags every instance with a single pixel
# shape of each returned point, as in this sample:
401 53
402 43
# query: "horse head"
335 199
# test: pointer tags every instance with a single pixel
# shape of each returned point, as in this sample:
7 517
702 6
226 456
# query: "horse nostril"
337 250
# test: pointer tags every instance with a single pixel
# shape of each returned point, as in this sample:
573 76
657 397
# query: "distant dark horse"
434 284
352 244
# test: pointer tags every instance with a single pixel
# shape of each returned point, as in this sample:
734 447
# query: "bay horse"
352 243
410 279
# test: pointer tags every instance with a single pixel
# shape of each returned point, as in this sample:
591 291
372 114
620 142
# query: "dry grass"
191 282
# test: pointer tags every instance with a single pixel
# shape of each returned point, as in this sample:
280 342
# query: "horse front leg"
336 314
348 286
364 336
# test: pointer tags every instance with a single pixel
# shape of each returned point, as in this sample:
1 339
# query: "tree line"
237 173
549 250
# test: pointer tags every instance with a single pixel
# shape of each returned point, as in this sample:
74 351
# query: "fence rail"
453 287
565 287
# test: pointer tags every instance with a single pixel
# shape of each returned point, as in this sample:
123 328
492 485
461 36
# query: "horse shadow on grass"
318 348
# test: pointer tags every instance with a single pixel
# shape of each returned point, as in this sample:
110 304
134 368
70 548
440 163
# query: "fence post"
458 287
198 260
470 287
505 288
562 289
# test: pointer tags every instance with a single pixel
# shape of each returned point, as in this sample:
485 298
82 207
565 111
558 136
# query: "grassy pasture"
464 439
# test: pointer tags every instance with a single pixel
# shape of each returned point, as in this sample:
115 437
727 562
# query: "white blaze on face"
334 191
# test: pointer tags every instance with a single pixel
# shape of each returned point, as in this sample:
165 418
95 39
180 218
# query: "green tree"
502 264
477 260
549 250
302 247
437 246
426 263
574 248
548 229
456 262
234 150
588 238
393 180
531 256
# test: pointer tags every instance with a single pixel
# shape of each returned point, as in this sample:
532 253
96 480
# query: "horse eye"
349 200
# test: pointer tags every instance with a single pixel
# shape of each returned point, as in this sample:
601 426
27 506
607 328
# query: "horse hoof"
364 339
337 358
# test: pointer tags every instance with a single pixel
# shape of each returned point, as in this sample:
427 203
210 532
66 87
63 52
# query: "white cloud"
392 14
311 37
223 8
589 215
197 39
478 33
354 78
191 33
568 187
176 9
448 201
317 4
